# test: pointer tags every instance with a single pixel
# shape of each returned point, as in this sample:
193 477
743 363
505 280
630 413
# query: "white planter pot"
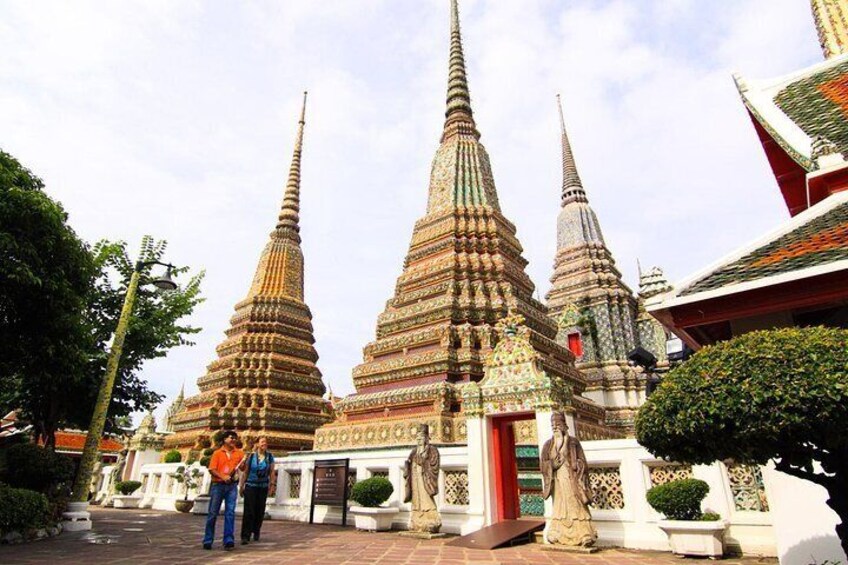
377 519
77 507
201 504
126 501
705 539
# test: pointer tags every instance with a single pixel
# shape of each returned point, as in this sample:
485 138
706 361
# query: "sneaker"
229 546
207 546
245 541
255 537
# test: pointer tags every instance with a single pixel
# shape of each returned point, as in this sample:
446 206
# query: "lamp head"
165 282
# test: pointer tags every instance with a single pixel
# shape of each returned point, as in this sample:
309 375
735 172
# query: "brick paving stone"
139 537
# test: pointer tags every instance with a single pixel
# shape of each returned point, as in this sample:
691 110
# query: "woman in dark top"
258 480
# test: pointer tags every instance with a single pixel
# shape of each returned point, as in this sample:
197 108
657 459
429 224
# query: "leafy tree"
60 301
777 395
45 275
155 328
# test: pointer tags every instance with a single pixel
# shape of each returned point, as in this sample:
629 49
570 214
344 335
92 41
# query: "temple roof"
809 244
798 108
73 441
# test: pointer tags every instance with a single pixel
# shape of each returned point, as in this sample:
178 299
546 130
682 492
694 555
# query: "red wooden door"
506 468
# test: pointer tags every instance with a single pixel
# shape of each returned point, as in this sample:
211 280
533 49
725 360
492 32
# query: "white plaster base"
201 504
126 501
703 539
373 519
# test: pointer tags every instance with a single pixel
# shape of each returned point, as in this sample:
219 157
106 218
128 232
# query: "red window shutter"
575 344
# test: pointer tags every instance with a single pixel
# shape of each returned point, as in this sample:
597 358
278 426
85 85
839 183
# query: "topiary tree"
778 395
127 487
173 456
372 492
680 499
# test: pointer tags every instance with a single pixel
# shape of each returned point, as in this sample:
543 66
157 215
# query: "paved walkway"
149 536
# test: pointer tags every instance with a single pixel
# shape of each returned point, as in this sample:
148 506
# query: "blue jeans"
228 494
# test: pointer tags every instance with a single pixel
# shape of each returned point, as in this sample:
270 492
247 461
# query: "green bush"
710 517
127 487
372 492
173 456
679 500
35 468
207 456
21 509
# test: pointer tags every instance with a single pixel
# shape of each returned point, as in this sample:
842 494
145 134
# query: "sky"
177 119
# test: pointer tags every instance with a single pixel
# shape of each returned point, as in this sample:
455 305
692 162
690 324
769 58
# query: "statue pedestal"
77 518
422 535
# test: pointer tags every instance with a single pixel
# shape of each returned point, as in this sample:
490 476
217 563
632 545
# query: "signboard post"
329 486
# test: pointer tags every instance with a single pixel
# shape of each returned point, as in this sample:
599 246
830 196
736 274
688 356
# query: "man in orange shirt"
224 467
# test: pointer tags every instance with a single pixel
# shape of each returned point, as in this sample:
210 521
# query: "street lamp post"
104 396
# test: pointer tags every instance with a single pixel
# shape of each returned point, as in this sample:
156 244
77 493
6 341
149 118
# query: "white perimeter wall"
799 526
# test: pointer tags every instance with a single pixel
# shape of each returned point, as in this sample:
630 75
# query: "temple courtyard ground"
145 536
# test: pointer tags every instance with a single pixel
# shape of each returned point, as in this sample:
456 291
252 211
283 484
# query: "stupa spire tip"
572 187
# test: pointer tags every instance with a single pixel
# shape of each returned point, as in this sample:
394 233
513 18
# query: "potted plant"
189 477
690 531
126 498
369 495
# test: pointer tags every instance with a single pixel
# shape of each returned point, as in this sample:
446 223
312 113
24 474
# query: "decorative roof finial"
458 98
289 219
832 25
572 188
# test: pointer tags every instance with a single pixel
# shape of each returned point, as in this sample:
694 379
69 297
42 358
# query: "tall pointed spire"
464 271
831 18
288 223
572 187
265 380
458 98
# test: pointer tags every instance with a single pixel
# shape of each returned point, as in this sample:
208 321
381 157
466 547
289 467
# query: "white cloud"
177 119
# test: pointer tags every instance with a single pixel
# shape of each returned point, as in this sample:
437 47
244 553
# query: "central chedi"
265 381
464 271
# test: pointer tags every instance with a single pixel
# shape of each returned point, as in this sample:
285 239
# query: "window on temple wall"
294 484
575 344
746 485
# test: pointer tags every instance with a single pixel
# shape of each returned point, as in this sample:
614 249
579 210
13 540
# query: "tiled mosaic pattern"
819 241
531 504
746 485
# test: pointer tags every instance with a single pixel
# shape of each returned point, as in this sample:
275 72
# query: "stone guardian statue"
422 484
565 476
115 475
